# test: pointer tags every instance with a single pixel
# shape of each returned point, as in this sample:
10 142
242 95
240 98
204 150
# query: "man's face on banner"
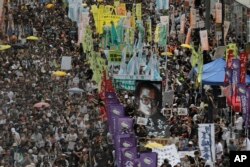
148 102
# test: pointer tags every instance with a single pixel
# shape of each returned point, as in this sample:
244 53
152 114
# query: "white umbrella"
75 90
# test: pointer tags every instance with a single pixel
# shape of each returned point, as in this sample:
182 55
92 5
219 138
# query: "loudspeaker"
221 102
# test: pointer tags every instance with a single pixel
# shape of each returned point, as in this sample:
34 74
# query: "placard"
182 111
66 63
141 121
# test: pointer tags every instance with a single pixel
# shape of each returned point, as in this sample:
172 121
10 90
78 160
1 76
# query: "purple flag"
242 92
118 151
128 156
110 95
228 75
114 111
236 71
124 125
112 101
248 107
128 142
148 159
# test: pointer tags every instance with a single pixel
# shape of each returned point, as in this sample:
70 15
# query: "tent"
214 73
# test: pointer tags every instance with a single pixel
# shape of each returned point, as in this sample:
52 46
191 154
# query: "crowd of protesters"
72 131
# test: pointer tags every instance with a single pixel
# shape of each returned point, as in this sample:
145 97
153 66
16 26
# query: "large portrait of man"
148 98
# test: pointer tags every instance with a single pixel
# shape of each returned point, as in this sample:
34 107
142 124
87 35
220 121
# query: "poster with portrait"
148 100
148 97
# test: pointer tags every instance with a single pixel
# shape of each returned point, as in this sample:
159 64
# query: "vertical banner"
188 37
226 28
236 71
204 40
149 30
228 70
183 22
248 105
242 92
138 11
243 67
118 149
218 13
192 18
207 141
148 159
228 76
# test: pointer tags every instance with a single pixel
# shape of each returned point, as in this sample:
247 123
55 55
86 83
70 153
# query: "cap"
190 142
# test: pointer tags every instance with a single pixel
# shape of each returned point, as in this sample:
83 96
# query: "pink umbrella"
41 105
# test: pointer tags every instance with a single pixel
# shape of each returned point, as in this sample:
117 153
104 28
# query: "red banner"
243 64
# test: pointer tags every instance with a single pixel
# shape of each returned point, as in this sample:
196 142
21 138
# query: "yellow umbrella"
4 47
33 38
50 6
153 145
167 54
186 46
60 73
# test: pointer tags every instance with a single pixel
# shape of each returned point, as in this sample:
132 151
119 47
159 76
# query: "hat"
190 142
192 105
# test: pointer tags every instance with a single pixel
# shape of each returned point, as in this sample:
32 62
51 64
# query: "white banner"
66 63
168 152
226 28
204 40
207 141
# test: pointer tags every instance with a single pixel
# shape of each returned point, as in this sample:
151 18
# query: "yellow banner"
138 11
121 10
157 34
104 15
149 30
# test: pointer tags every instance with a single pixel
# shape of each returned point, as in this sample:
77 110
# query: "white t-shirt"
239 123
246 145
219 151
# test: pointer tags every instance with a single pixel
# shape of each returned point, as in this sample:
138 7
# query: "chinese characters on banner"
138 11
207 141
168 152
243 66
